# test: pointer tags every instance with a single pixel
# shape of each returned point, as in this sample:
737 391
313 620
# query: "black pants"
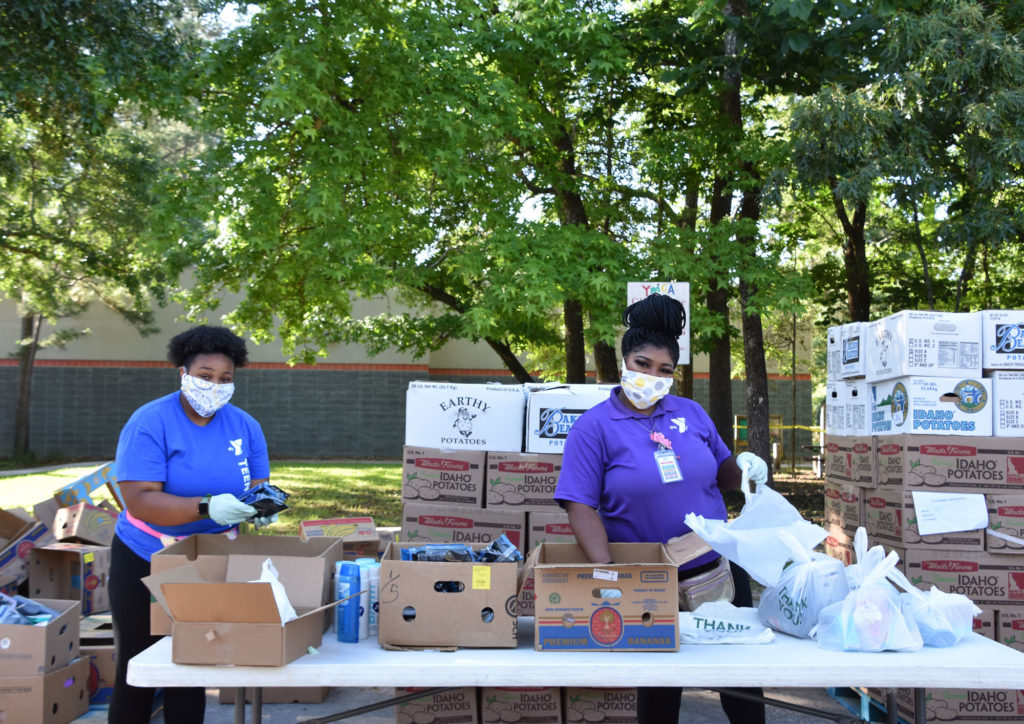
660 705
129 607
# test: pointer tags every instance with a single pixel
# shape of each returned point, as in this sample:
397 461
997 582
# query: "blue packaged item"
346 614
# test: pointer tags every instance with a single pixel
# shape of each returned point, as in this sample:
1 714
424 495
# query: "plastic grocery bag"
943 618
751 540
872 617
866 559
807 585
719 622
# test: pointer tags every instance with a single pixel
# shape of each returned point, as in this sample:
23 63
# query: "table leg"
920 708
891 713
240 706
257 705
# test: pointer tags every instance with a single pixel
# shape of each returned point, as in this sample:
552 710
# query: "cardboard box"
85 523
853 359
58 697
1009 627
235 619
585 704
452 416
534 704
45 511
924 343
839 544
72 571
446 604
933 406
1005 518
889 517
29 650
964 706
1002 336
80 491
985 578
209 554
857 404
548 527
849 460
102 672
571 614
22 533
458 706
453 477
835 408
359 537
552 411
844 506
280 695
986 624
971 465
1007 403
426 523
522 481
833 353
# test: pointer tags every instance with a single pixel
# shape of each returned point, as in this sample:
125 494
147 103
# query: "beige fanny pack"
712 585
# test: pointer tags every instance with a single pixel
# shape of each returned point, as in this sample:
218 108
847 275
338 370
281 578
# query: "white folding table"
974 663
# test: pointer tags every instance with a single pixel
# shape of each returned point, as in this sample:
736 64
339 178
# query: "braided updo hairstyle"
655 320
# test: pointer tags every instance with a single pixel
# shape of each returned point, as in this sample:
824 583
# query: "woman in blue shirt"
637 463
182 461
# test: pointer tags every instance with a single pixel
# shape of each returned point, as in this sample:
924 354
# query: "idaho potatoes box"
849 460
890 517
572 612
932 406
988 579
458 706
427 523
522 481
451 416
430 604
594 705
533 704
430 475
969 465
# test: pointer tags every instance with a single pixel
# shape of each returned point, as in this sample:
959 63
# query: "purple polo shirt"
609 465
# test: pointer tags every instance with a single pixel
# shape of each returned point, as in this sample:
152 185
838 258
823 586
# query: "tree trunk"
511 361
720 369
919 243
575 358
758 437
966 273
606 363
30 328
855 259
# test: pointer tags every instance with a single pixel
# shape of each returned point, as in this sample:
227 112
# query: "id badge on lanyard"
668 466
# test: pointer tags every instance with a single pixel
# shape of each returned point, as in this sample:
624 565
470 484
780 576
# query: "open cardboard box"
414 613
71 571
571 614
209 554
234 619
358 536
58 697
85 523
26 650
21 533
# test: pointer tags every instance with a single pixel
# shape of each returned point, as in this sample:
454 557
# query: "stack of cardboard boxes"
925 401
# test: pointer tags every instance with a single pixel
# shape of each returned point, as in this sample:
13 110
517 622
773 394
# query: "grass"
318 490
344 489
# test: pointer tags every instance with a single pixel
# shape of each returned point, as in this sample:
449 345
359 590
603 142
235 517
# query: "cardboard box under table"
26 650
58 697
446 604
235 619
209 554
571 612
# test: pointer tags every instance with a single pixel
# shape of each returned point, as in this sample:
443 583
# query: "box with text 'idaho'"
595 705
426 523
932 406
988 579
629 605
990 465
457 706
849 460
454 477
533 704
522 481
446 603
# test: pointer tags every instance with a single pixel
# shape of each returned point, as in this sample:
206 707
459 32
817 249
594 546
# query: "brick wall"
78 411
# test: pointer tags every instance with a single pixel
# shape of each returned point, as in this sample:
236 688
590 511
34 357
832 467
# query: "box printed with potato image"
512 704
431 475
522 481
457 706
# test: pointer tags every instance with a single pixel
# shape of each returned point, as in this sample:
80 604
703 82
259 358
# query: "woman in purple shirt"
637 463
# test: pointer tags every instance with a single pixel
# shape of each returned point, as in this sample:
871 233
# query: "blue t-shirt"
159 443
609 464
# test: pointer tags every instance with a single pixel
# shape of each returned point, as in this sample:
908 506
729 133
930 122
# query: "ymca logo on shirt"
236 445
678 423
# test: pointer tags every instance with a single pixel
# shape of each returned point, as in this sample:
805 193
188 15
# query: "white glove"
226 509
757 469
260 522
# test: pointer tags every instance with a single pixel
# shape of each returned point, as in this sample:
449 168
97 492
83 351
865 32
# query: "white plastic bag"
807 585
872 617
866 559
719 622
751 540
268 574
943 618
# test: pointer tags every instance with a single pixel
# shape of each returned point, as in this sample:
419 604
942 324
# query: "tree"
75 172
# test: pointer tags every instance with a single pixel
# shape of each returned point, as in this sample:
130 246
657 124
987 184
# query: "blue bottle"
347 613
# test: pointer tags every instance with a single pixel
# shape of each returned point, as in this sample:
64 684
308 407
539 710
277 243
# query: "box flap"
181 574
13 523
221 602
302 577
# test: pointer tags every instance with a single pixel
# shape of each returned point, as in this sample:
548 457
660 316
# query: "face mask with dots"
205 397
642 390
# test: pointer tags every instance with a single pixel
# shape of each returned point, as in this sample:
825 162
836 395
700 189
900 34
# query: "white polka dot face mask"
644 390
204 396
